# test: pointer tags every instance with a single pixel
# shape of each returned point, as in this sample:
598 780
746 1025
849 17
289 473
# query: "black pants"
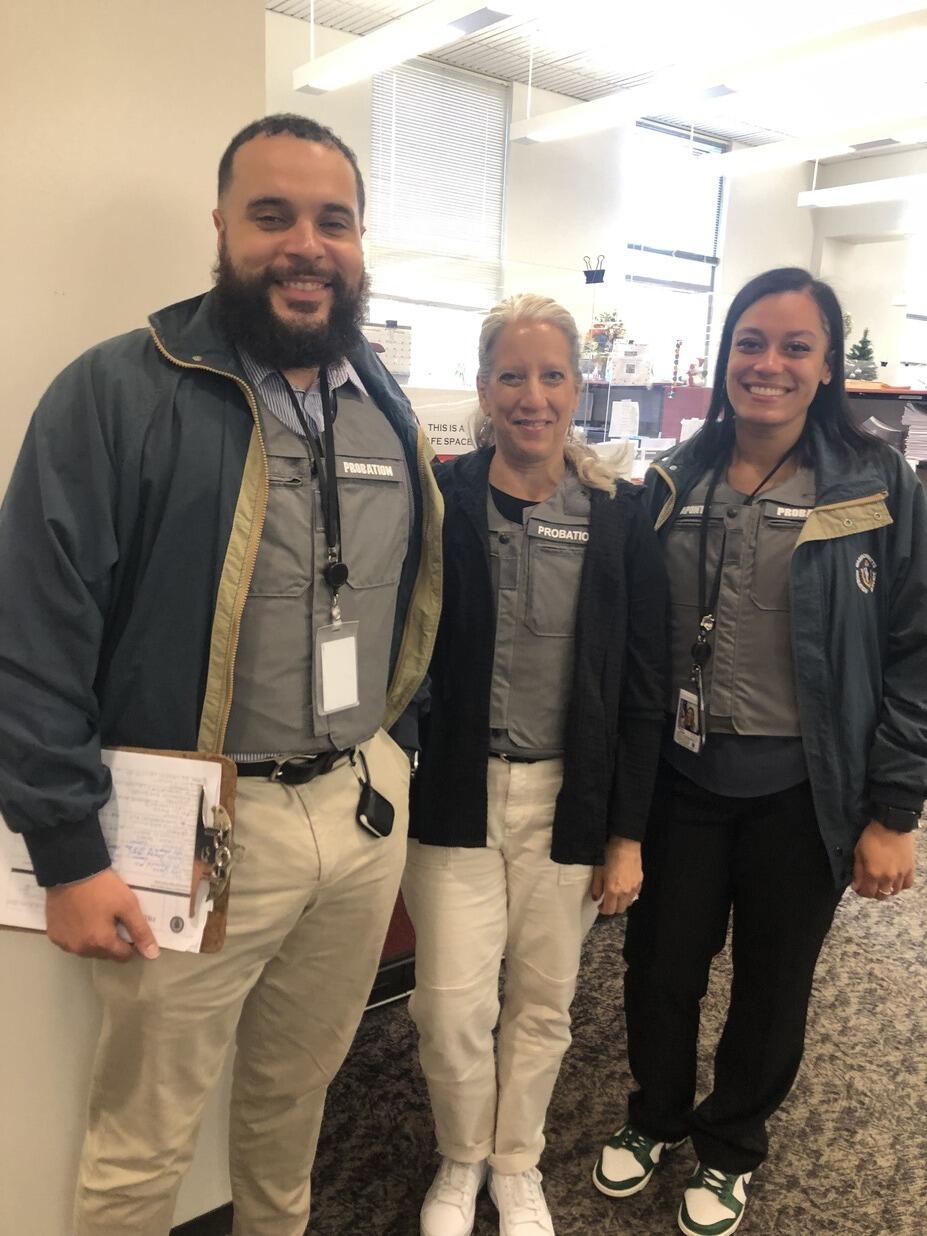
704 855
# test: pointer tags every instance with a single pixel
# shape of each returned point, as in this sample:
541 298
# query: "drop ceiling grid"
503 52
346 15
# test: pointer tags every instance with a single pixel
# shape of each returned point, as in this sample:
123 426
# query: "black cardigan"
616 709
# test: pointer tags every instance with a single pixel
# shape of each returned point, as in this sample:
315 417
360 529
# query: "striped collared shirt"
272 387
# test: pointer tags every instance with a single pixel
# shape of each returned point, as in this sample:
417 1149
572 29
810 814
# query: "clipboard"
203 868
209 824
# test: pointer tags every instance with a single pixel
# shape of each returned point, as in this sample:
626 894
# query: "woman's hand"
883 862
619 881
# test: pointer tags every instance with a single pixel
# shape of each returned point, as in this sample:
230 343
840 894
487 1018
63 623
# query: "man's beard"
248 320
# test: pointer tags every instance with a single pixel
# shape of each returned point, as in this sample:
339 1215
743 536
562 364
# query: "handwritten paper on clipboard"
150 829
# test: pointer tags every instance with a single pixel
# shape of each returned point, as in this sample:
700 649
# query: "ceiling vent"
879 144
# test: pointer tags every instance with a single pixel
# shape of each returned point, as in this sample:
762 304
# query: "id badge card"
336 677
688 728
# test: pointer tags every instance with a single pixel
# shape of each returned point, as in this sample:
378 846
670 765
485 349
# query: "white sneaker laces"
522 1196
454 1182
716 1182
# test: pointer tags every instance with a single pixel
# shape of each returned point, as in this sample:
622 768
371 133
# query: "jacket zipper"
245 582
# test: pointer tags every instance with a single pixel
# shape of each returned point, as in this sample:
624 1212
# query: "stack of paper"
916 446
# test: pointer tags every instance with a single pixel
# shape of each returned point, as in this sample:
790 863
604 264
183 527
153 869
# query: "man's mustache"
298 269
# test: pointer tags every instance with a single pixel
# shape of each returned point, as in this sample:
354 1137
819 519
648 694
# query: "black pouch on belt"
374 812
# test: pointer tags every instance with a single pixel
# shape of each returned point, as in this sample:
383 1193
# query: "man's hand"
82 919
883 862
619 881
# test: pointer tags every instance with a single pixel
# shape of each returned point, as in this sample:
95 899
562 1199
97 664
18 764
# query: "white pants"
469 907
310 903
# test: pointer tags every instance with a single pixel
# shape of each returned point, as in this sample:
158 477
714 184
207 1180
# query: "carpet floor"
848 1149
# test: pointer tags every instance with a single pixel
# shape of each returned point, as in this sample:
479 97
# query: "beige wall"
114 114
122 108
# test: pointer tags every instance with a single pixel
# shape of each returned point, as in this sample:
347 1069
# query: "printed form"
149 825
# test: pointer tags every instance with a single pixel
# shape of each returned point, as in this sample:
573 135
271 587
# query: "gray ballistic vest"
536 569
274 708
749 680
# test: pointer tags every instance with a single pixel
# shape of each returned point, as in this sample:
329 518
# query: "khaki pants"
311 901
469 907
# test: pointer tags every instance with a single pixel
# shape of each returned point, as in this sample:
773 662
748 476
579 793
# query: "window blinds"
438 170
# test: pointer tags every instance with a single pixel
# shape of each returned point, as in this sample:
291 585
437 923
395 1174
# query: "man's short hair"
297 126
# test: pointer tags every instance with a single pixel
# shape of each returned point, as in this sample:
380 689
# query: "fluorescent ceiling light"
824 145
863 193
425 29
671 92
688 86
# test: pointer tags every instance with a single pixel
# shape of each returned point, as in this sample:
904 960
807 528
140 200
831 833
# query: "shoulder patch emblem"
866 573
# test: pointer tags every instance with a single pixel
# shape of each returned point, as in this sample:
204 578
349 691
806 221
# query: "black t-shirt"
510 507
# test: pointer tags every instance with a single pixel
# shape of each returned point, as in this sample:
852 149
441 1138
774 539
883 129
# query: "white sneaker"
449 1207
713 1203
520 1202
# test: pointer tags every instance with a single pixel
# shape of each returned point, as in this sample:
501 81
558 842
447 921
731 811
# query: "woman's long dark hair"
829 409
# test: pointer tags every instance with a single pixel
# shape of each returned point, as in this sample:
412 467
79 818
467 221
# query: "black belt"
517 759
293 769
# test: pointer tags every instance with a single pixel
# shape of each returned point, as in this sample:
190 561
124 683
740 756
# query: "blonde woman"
538 761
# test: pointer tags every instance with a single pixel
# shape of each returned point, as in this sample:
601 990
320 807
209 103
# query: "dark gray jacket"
127 543
860 656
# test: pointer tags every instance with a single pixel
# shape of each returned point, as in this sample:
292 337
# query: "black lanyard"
708 605
335 571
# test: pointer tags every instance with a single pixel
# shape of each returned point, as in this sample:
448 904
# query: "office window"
673 225
436 197
914 339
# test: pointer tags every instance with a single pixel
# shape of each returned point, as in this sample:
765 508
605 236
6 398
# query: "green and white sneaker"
713 1203
627 1162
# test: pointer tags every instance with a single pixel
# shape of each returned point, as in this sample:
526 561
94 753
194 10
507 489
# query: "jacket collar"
189 332
839 476
471 471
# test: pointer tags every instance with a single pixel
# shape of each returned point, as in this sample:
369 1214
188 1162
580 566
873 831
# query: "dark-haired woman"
796 548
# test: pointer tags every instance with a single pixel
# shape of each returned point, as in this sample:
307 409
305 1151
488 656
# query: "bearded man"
199 510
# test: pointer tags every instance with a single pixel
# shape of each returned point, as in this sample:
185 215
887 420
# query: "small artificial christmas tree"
861 361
